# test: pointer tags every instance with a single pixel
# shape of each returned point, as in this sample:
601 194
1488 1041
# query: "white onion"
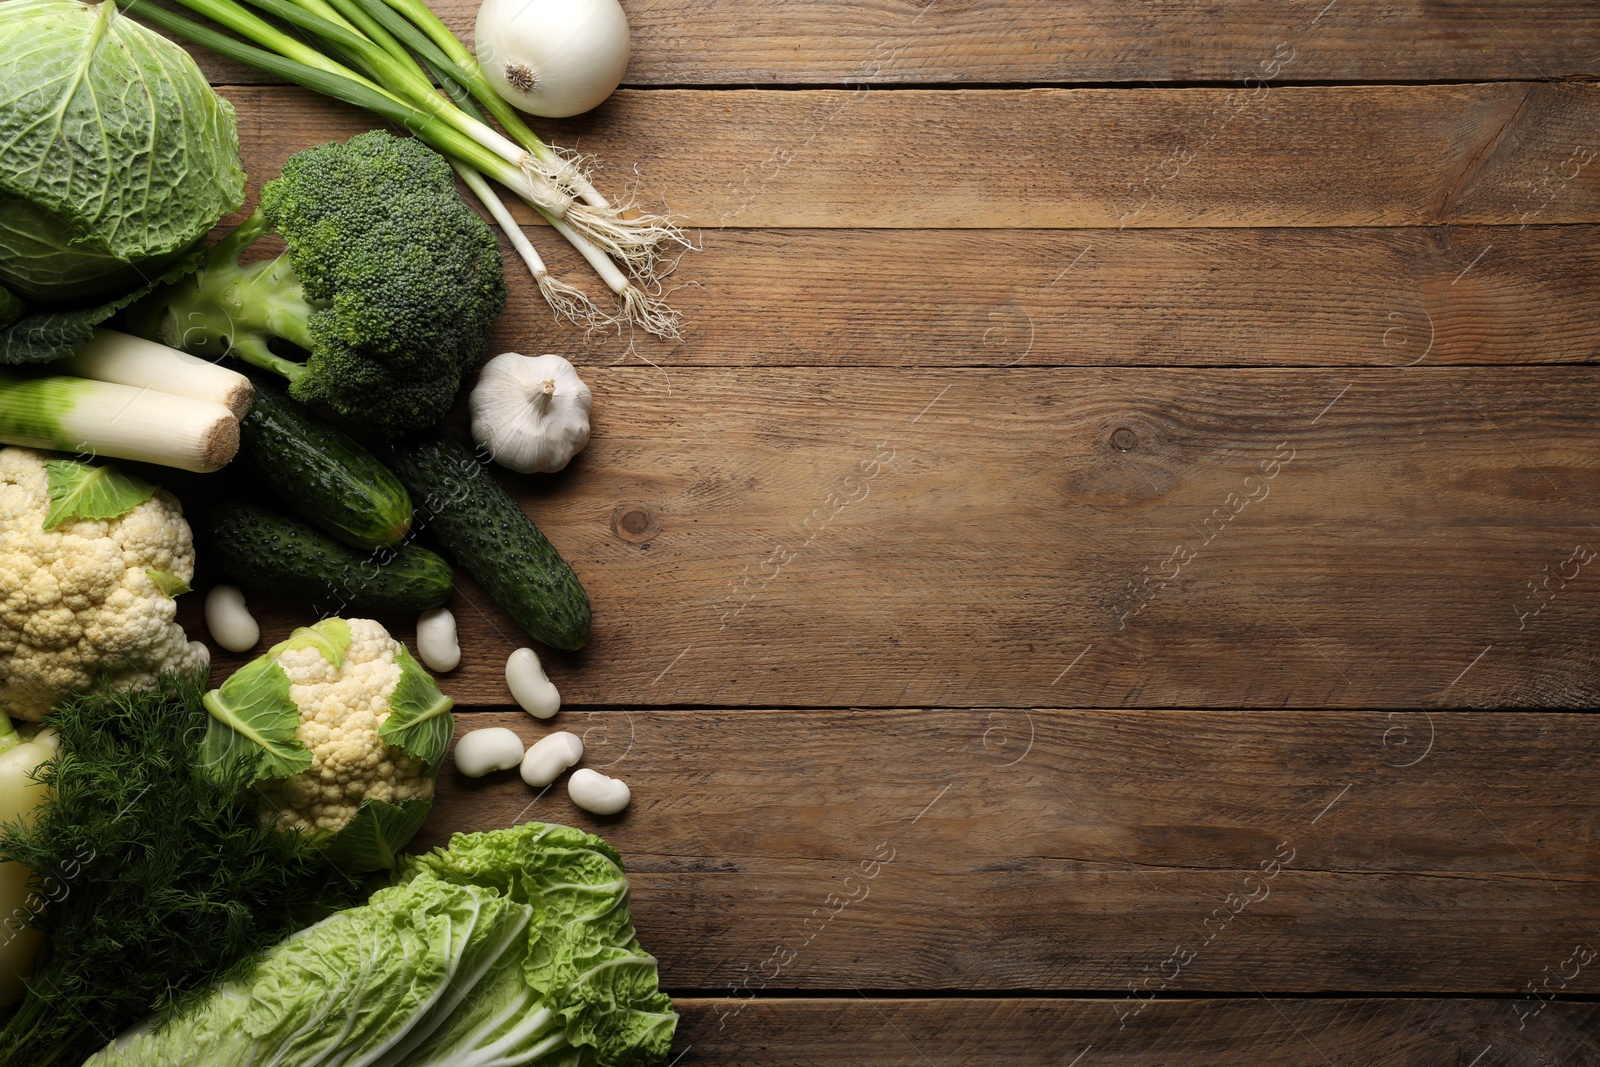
553 58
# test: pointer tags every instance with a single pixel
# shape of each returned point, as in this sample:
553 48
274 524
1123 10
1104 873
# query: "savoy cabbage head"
117 155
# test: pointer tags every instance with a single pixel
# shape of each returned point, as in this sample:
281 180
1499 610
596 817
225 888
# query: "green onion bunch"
385 56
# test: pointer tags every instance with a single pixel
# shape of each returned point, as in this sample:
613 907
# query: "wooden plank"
868 536
1163 852
1272 297
1044 1032
1502 153
819 42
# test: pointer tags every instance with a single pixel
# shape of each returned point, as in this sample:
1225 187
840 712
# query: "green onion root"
639 308
567 301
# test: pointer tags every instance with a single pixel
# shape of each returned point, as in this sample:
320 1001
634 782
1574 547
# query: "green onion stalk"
372 35
372 18
567 301
638 239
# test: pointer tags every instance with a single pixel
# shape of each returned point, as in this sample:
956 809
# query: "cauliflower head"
346 731
342 709
78 606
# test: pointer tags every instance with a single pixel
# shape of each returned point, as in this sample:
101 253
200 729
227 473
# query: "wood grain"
910 492
817 42
1502 153
852 1031
819 537
1219 297
1046 849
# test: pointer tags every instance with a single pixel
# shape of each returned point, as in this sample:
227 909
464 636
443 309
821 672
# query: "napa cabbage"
513 948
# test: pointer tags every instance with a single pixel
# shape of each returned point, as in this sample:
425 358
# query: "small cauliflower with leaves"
347 731
90 560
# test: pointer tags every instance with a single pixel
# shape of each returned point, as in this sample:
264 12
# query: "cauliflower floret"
343 704
76 606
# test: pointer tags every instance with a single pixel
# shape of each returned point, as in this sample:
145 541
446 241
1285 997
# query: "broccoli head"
380 305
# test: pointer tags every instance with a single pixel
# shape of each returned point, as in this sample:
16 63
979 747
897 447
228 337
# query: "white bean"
492 749
551 755
593 791
436 640
229 620
529 685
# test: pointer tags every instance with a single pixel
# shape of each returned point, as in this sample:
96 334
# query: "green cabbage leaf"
32 335
12 307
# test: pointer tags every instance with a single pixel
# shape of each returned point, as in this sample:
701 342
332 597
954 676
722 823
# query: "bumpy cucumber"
327 478
478 525
266 550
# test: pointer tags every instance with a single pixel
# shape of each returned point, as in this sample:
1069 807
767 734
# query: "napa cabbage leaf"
513 948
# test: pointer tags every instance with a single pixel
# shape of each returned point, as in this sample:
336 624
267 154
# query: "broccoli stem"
235 309
255 352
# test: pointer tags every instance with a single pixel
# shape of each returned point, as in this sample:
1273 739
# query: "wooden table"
1035 604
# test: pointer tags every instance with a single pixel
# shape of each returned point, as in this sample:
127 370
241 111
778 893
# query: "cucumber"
321 474
266 550
478 525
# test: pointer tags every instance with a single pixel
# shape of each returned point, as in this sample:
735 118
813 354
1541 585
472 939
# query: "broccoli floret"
388 287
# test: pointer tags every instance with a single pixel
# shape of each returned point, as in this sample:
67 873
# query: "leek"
119 421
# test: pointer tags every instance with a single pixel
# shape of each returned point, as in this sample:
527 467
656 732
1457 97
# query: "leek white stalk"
125 360
116 421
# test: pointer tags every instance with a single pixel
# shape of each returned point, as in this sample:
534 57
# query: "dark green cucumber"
266 550
478 525
321 474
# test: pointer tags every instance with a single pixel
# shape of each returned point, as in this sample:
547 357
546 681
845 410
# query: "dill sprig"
159 880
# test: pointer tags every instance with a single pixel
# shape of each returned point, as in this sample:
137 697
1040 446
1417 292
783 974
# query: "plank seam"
1020 86
779 995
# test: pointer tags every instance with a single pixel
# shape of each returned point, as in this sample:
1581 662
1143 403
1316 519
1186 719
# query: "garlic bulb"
530 412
